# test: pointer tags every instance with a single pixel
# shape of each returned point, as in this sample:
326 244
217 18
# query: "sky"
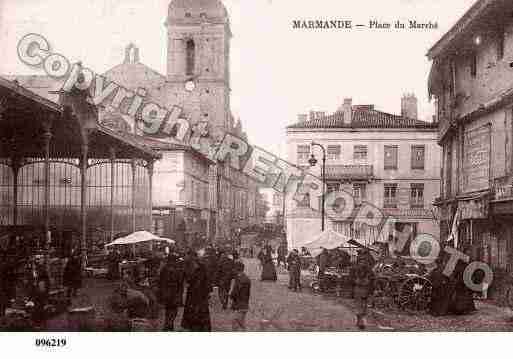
277 72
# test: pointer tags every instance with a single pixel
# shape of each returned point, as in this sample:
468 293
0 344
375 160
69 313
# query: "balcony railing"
390 203
363 172
409 212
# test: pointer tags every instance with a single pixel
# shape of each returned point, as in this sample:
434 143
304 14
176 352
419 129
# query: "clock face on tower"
190 85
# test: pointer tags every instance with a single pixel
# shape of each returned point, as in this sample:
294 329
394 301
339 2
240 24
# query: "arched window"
190 49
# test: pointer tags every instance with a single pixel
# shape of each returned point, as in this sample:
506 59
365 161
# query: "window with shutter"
303 152
360 152
390 195
332 187
333 152
359 192
418 157
417 195
276 199
390 161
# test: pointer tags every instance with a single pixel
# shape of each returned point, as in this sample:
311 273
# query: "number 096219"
50 342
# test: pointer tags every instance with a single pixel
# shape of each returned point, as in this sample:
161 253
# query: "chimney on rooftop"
347 108
409 106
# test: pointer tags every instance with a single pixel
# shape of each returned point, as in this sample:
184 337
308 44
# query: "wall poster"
476 159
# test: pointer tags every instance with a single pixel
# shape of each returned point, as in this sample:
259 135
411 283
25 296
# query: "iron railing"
349 172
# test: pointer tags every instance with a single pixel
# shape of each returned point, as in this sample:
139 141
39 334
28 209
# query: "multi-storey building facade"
471 81
388 160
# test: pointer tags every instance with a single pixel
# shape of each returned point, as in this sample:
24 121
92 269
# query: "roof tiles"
364 118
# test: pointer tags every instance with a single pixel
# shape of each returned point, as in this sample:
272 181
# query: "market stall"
340 255
330 240
141 254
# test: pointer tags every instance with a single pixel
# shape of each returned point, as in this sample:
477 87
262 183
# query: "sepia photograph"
255 166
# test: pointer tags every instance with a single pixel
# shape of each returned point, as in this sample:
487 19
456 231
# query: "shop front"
499 251
485 232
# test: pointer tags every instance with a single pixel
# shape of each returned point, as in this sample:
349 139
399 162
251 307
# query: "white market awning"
328 239
139 237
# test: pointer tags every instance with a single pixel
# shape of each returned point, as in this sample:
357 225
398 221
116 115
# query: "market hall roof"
25 116
363 118
43 85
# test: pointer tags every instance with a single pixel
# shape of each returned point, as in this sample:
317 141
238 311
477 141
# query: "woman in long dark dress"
463 297
441 292
196 315
72 276
268 268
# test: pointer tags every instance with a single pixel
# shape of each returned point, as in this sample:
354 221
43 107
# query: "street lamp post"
313 162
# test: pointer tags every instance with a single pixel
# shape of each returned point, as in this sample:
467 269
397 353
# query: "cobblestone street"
487 318
273 307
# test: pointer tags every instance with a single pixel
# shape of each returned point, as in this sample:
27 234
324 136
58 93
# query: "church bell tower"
198 55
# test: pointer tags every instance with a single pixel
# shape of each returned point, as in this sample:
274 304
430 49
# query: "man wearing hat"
363 287
171 289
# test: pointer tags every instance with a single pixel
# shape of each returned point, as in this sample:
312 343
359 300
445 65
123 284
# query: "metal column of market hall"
60 169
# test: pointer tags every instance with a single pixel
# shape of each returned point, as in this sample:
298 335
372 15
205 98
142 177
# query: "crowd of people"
192 275
188 278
